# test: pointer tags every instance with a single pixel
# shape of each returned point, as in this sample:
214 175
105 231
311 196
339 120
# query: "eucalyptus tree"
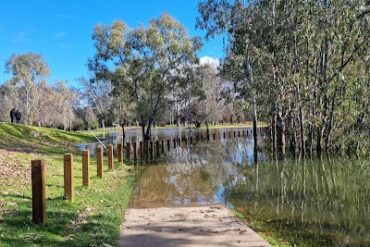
308 60
140 61
28 71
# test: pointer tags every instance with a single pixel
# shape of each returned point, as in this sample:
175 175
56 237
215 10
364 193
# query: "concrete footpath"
186 226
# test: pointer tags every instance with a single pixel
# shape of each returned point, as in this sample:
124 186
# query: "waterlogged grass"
93 219
262 229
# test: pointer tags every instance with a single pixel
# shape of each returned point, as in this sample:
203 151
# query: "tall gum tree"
28 71
140 61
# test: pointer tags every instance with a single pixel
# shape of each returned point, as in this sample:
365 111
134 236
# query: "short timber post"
224 135
38 191
151 150
168 145
162 146
234 134
99 161
110 157
157 146
135 150
120 152
85 168
238 133
174 143
141 151
68 178
128 150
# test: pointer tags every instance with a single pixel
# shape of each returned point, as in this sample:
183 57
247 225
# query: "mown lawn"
93 219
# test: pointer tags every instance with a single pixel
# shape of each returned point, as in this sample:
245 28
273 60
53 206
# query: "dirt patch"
11 167
186 227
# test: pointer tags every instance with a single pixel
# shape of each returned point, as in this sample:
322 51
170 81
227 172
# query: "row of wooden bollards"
158 146
38 168
38 179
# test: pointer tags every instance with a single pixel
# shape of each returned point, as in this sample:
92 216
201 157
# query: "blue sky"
61 30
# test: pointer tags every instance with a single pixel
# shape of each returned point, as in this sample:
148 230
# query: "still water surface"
321 202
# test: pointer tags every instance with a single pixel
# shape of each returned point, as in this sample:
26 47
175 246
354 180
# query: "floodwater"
319 202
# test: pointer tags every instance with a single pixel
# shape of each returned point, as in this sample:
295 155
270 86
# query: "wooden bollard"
85 168
157 146
120 152
179 141
168 145
38 191
110 157
174 143
242 132
69 193
135 150
238 133
99 161
162 146
234 134
128 151
141 150
224 135
151 150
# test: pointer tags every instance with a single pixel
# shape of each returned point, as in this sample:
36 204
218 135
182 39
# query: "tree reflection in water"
317 201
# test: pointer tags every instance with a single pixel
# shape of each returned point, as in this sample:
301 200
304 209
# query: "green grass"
41 140
93 219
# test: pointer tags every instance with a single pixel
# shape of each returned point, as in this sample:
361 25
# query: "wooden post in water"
238 133
86 168
157 146
128 151
99 161
168 145
120 152
151 150
162 145
224 135
110 157
174 143
135 150
242 132
69 193
38 192
234 134
141 150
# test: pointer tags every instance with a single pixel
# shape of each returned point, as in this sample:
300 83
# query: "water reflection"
319 202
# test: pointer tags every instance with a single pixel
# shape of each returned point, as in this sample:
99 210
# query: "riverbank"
93 219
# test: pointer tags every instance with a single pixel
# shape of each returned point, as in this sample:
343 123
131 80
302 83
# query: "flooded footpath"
186 193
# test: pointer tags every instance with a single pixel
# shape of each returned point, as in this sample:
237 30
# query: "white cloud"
211 61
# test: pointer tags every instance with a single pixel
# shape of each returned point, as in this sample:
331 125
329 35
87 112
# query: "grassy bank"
92 220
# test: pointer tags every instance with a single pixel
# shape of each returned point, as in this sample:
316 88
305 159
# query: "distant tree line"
143 76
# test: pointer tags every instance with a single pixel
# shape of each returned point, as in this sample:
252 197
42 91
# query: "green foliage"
142 63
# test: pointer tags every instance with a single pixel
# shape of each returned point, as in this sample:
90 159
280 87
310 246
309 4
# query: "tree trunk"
301 122
280 135
255 136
